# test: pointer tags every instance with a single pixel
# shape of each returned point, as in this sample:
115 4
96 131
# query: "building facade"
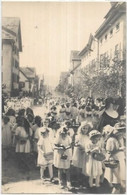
111 36
106 48
11 46
74 71
89 56
27 80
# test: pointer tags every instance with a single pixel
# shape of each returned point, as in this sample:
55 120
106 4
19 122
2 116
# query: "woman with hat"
93 166
110 116
63 155
115 153
45 153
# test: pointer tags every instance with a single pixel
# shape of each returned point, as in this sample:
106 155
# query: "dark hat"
117 101
109 100
63 130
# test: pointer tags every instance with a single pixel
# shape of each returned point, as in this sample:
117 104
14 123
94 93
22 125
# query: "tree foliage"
105 82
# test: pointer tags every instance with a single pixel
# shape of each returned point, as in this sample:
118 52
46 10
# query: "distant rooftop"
117 9
11 29
29 72
87 46
74 55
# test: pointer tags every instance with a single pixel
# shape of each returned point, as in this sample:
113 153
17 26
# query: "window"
21 85
106 37
117 26
111 32
101 41
116 53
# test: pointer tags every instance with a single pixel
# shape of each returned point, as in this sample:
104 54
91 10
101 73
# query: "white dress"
79 156
74 112
81 115
46 145
58 162
93 167
110 174
22 148
62 114
68 113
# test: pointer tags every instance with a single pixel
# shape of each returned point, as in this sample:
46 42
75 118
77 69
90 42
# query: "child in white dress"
62 113
79 155
45 153
63 156
93 166
115 151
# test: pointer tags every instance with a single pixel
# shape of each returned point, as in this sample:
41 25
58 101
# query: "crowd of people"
17 103
88 134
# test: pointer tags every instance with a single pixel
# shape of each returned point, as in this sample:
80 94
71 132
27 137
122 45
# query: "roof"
75 56
72 71
113 14
11 25
28 72
88 46
63 75
7 35
114 5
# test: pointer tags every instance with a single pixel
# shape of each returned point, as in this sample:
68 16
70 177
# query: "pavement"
15 180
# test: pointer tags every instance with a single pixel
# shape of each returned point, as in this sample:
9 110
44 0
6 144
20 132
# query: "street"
63 97
15 180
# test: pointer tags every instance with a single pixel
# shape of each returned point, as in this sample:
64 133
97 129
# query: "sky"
50 30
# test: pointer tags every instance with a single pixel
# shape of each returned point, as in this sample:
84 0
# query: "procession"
63 116
86 135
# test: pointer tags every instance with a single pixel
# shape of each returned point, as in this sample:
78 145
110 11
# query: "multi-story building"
107 47
111 36
11 46
89 56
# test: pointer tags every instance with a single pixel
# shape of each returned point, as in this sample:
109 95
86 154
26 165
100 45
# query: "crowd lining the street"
87 134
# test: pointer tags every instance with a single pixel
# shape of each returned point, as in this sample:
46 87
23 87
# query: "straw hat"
83 123
120 127
94 133
107 130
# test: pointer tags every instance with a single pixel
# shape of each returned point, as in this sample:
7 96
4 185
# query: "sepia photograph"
63 85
